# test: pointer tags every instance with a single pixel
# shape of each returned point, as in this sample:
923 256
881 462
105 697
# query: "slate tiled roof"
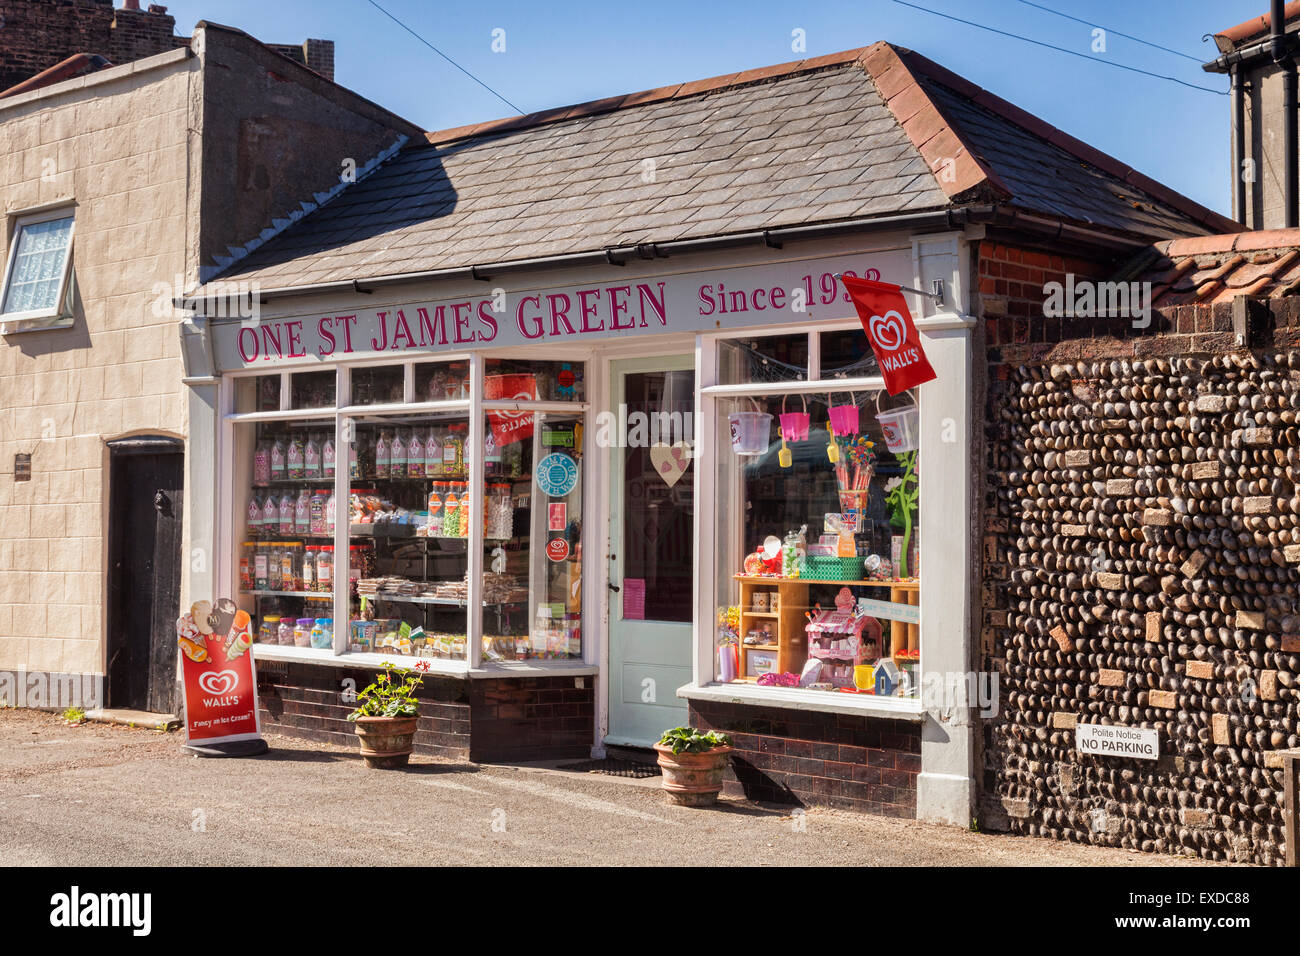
846 136
1263 264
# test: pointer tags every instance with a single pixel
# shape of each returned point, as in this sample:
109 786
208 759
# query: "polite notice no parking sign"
1108 740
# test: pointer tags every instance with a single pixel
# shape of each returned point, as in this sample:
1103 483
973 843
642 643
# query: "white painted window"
38 272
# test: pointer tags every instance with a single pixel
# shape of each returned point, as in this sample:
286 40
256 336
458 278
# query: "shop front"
592 504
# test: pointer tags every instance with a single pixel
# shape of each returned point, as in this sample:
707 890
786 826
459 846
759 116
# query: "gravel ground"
101 794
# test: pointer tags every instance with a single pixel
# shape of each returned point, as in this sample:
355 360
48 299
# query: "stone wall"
1141 567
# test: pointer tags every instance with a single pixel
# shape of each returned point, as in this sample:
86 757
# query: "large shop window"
818 559
393 539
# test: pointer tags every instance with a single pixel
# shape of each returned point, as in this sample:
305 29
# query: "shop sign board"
557 474
219 679
1108 740
777 293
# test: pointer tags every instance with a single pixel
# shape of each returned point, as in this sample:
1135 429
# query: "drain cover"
613 767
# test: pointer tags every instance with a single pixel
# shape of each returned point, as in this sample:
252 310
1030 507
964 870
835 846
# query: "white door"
652 546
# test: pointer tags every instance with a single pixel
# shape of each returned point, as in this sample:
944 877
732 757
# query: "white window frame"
340 414
709 392
61 311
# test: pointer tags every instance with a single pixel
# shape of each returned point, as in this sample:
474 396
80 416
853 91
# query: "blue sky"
566 52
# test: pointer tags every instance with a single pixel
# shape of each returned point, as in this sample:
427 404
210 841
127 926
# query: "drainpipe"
1291 150
1238 148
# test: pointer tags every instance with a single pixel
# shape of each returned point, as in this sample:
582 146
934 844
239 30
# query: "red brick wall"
141 33
533 718
1011 281
39 33
811 758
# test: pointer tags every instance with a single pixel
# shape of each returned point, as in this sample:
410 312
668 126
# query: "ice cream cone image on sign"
241 637
191 641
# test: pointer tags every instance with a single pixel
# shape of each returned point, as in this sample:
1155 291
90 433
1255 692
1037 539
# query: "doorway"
145 496
652 546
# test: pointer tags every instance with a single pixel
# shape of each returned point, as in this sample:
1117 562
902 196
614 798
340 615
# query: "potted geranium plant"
692 762
385 718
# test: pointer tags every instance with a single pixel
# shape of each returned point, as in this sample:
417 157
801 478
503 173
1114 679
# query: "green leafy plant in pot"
693 762
385 718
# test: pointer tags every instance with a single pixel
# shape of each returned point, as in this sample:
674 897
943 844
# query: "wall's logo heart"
888 330
670 461
219 683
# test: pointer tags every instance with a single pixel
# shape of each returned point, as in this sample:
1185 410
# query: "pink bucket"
844 419
794 426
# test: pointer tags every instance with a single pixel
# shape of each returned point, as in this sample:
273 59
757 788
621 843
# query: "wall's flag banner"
891 332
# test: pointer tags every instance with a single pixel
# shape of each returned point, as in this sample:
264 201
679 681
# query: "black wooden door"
144 573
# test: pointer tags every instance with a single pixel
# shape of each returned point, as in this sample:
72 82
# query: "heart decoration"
219 683
670 461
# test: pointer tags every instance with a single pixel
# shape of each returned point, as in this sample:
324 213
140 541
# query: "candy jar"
383 455
294 460
433 454
262 463
277 460
397 454
302 513
307 573
311 458
415 455
327 457
286 520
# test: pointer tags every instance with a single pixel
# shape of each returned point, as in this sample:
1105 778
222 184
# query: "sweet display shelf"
449 602
310 595
904 585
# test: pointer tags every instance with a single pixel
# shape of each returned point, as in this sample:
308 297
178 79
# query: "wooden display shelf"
912 585
791 640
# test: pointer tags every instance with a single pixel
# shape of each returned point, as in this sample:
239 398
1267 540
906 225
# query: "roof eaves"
957 170
1063 140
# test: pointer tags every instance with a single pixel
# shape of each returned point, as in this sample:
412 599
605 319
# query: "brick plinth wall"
1139 568
531 718
807 758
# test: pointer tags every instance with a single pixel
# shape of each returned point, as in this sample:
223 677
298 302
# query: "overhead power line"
1061 49
1118 33
445 56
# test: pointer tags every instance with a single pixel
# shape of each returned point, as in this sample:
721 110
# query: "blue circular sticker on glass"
557 474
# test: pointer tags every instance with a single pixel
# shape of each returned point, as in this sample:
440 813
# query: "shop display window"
409 511
442 382
378 385
530 380
312 389
412 505
532 541
257 393
285 511
763 359
818 563
847 354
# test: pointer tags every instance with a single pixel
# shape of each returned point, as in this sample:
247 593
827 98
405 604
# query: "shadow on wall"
36 343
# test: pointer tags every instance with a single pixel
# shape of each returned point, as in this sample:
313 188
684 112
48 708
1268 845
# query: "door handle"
614 587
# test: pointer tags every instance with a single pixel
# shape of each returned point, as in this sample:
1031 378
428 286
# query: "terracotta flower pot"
385 741
693 780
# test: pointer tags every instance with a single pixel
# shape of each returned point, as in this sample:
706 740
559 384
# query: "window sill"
437 666
34 324
791 698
